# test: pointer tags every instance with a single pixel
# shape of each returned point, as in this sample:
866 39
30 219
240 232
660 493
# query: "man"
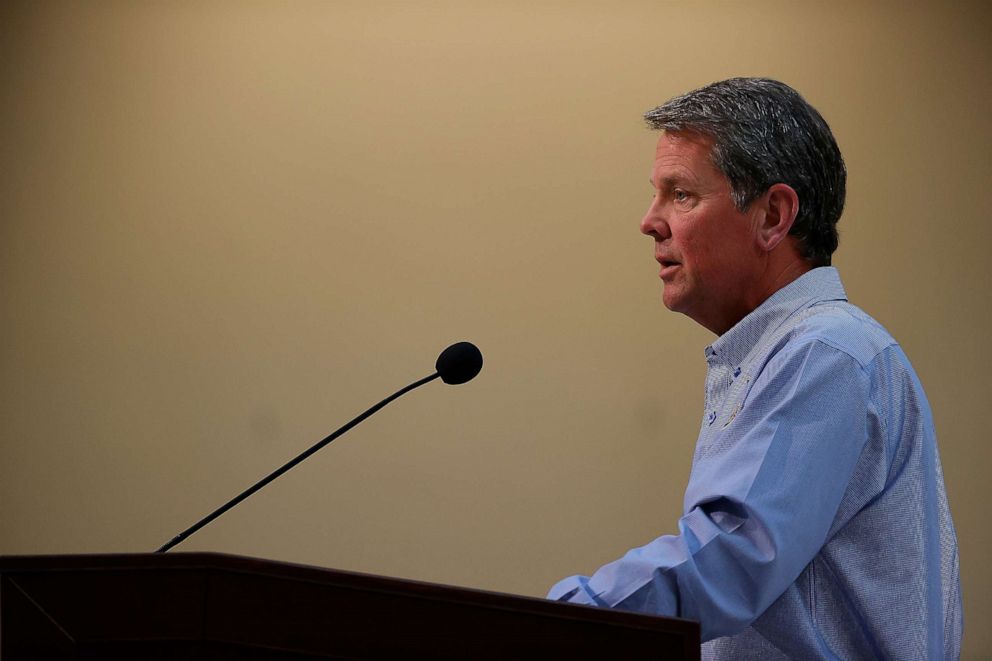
815 522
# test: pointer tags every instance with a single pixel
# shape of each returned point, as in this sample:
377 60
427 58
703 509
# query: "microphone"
457 364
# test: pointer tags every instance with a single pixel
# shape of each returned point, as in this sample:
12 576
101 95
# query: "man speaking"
815 522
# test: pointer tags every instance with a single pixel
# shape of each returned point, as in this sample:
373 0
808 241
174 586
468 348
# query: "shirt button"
737 372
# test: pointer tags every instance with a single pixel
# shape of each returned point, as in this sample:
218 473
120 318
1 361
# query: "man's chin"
673 299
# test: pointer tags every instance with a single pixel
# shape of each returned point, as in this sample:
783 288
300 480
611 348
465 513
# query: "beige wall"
227 227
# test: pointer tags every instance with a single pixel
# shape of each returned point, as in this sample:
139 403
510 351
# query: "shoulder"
843 327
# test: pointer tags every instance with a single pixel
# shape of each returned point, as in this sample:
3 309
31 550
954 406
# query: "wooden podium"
214 606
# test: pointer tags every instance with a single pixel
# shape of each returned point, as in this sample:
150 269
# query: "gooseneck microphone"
459 363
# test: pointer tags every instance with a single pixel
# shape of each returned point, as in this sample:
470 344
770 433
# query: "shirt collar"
814 286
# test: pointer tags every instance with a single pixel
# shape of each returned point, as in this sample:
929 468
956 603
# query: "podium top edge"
206 561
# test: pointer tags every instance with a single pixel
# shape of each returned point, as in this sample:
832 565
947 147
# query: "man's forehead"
683 155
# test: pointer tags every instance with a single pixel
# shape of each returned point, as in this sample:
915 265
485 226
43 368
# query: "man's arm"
762 498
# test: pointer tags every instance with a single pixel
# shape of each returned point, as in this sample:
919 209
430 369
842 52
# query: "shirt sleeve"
763 495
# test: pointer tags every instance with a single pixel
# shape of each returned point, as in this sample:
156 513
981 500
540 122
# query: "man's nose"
653 223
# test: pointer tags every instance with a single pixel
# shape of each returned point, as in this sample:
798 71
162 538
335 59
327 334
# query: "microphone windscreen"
459 363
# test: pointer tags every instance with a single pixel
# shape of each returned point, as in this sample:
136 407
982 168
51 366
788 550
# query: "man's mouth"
668 266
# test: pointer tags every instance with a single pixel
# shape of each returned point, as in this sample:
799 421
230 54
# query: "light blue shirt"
815 523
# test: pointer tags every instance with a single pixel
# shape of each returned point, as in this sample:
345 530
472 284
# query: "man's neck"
777 274
780 275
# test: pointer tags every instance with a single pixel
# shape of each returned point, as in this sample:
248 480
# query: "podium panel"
216 606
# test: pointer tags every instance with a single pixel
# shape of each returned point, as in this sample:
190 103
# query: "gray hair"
765 133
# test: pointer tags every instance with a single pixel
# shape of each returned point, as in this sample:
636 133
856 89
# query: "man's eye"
680 195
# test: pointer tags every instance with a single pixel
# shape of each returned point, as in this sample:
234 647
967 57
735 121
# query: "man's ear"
780 204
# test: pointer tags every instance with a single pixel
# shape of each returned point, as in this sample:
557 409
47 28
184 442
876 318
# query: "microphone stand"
264 481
